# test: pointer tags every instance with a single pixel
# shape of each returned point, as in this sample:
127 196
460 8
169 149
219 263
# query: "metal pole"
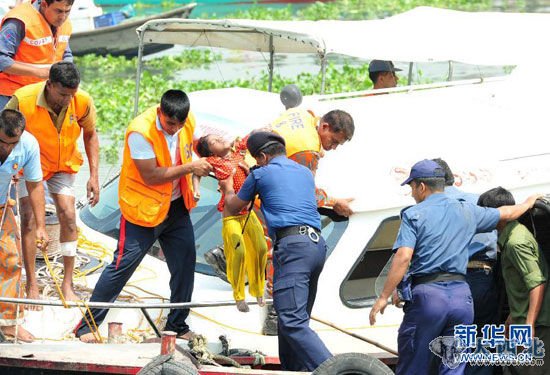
150 321
323 72
271 62
372 342
450 77
138 73
410 78
109 305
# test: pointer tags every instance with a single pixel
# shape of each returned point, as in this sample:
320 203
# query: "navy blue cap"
425 169
382 66
258 141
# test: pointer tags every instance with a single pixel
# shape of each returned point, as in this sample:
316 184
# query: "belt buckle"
312 234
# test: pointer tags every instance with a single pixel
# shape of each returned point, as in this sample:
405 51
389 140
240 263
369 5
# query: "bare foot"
189 335
68 293
261 301
242 306
22 333
32 292
89 338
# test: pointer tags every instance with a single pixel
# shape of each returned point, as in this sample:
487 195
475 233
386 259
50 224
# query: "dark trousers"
434 311
177 240
298 262
485 295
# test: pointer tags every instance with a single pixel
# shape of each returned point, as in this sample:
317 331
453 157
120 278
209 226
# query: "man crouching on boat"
155 197
18 150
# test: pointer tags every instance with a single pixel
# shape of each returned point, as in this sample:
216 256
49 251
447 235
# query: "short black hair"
175 104
50 2
202 147
433 183
274 149
66 74
449 177
374 76
340 121
12 122
496 197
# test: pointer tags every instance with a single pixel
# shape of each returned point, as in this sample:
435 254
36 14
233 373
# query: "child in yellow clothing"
244 243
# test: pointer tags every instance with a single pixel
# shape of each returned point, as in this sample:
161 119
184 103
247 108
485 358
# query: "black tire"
178 368
166 365
155 366
352 364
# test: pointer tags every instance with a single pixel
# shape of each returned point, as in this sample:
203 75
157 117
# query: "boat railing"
119 305
410 88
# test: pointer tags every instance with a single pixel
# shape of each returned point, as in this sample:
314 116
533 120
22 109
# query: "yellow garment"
299 129
10 270
249 258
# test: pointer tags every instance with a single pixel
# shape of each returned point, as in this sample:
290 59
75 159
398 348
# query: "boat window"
360 286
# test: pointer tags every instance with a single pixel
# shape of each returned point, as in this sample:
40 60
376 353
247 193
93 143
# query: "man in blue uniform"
480 275
287 191
433 244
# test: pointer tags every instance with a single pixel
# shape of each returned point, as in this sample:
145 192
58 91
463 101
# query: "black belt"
305 230
435 277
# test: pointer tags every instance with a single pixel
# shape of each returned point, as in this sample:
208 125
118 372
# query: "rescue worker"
155 197
432 244
306 136
525 272
56 112
382 74
480 273
33 36
287 191
18 151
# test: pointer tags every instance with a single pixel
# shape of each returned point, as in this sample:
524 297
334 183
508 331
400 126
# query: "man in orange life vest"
308 136
33 36
57 111
155 197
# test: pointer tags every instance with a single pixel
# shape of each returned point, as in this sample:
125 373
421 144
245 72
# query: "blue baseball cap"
376 66
425 169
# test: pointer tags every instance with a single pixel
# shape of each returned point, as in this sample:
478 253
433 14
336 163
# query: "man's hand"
395 300
227 184
245 167
92 191
379 305
42 239
532 199
201 167
342 208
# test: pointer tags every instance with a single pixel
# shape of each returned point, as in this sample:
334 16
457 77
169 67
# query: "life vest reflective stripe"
39 45
58 150
147 205
299 129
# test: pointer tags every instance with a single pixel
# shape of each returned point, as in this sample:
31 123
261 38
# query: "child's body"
245 251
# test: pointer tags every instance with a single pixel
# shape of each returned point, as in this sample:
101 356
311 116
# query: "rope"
198 346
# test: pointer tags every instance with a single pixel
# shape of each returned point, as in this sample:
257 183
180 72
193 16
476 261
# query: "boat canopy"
423 34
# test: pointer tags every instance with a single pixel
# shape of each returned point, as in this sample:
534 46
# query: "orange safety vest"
148 205
39 46
58 150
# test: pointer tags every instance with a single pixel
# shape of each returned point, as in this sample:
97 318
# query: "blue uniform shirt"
25 155
440 229
287 191
484 245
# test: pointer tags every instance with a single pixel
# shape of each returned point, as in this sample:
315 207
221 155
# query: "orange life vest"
58 150
148 205
39 46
